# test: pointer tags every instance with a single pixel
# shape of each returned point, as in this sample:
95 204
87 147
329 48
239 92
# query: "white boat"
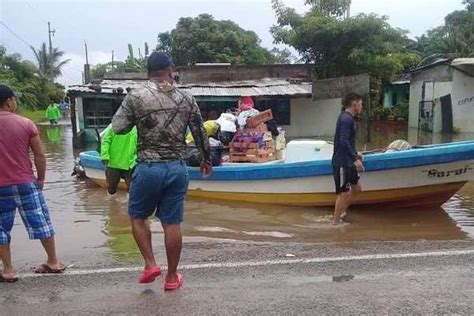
424 175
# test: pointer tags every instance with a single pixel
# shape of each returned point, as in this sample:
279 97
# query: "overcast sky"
109 25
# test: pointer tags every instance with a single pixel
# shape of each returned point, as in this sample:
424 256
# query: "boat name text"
435 173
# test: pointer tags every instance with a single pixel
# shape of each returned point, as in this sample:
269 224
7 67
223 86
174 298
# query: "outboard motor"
78 169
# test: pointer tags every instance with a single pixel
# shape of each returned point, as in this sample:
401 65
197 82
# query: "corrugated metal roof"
263 87
462 61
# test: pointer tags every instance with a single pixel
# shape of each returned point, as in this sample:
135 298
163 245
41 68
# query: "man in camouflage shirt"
161 113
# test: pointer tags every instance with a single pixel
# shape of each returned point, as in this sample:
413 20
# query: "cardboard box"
258 119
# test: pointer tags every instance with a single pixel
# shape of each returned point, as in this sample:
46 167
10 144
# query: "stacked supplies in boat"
254 147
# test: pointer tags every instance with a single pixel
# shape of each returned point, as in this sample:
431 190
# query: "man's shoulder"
186 95
346 117
22 119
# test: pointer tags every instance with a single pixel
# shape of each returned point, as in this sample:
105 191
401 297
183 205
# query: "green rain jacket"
52 112
119 150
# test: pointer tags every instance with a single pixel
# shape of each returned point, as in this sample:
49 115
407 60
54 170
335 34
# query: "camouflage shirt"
161 113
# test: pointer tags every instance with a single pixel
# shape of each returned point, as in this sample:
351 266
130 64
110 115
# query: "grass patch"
34 115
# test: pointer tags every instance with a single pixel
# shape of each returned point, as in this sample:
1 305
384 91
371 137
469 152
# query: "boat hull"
420 177
434 195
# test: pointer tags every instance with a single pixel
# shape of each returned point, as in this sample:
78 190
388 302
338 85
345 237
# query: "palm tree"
49 63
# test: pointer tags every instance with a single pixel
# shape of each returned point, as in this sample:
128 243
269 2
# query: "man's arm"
199 133
346 127
39 158
105 143
124 119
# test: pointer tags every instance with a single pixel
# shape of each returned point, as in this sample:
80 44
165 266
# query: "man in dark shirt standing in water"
346 162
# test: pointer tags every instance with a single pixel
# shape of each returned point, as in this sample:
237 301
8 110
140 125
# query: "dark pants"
113 177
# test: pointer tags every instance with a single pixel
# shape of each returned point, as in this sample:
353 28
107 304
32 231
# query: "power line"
70 24
16 35
37 11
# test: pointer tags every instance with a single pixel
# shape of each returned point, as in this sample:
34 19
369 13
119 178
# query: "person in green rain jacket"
119 155
53 114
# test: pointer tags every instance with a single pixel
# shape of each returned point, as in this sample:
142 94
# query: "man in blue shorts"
346 161
20 188
161 112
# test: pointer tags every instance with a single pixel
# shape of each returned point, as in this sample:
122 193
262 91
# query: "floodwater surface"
94 230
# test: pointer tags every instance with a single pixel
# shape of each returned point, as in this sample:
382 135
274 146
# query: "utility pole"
112 60
87 56
87 67
49 35
348 12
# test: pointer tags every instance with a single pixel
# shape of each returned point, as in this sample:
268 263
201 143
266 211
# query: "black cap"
6 92
159 61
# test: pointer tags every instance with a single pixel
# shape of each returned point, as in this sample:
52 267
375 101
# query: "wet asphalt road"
337 281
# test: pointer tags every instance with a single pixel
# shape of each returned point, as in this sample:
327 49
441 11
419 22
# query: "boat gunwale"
417 157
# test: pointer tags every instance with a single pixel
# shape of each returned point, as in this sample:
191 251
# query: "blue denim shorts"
159 188
29 200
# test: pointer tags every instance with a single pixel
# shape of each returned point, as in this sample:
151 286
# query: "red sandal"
171 286
149 275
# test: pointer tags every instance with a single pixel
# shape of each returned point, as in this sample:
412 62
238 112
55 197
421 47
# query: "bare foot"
171 277
50 268
10 275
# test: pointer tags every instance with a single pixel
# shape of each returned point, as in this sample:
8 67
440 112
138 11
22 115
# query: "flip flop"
171 286
4 280
46 269
149 275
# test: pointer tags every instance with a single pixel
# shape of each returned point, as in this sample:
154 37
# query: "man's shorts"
159 188
29 200
344 177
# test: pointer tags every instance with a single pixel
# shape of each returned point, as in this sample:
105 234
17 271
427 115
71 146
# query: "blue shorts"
159 188
29 200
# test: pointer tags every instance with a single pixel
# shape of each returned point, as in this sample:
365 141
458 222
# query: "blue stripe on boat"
428 155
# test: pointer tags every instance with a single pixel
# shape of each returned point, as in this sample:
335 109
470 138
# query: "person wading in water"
346 161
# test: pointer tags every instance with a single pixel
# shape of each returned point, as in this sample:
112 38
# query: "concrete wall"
309 119
442 77
440 89
79 114
415 98
461 88
213 73
462 98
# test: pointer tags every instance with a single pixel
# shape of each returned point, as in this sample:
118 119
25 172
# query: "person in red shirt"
20 188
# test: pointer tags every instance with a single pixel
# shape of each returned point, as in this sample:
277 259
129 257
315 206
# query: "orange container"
258 119
261 128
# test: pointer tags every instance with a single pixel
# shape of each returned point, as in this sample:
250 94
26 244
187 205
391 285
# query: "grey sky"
110 24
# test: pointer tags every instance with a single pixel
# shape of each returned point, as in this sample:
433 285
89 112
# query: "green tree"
453 39
283 56
206 40
131 64
360 44
336 8
23 76
49 63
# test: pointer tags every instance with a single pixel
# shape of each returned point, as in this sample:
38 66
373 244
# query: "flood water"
91 228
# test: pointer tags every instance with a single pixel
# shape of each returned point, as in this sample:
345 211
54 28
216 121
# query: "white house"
442 96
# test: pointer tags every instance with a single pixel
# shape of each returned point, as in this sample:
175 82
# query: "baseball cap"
159 61
6 92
